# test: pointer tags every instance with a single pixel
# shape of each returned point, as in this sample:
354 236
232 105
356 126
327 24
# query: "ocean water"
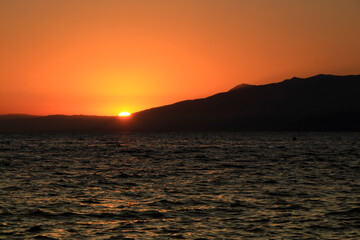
180 186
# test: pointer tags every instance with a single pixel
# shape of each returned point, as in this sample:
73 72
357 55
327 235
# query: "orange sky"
107 56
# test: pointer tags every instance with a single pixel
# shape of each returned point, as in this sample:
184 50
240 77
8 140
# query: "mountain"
17 116
241 86
318 103
322 102
58 123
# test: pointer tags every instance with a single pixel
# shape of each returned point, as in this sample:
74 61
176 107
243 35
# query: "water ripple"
180 186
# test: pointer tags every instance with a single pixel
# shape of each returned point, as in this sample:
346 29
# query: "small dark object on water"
294 138
35 229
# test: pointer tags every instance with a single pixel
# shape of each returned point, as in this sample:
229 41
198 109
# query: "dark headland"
318 103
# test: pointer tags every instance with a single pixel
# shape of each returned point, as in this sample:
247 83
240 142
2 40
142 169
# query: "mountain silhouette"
58 123
241 86
318 103
322 102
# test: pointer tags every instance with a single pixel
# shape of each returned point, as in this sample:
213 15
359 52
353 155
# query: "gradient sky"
107 56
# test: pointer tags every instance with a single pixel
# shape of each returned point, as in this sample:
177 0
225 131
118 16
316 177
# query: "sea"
205 185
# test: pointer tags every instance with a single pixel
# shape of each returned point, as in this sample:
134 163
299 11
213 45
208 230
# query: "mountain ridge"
284 102
318 103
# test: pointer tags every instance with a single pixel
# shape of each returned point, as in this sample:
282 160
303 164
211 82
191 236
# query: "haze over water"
180 186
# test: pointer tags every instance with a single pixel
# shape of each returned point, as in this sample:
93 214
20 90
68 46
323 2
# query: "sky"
102 57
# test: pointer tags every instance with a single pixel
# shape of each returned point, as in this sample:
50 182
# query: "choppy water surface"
180 186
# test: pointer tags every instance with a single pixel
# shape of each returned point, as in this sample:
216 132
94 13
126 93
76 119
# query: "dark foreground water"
180 186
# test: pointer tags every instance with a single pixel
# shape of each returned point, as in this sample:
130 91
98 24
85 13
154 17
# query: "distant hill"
322 102
17 116
58 123
241 86
319 103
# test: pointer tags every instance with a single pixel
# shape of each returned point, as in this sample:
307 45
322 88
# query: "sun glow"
124 114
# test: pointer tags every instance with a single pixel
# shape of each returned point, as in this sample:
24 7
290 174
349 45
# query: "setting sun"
124 114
